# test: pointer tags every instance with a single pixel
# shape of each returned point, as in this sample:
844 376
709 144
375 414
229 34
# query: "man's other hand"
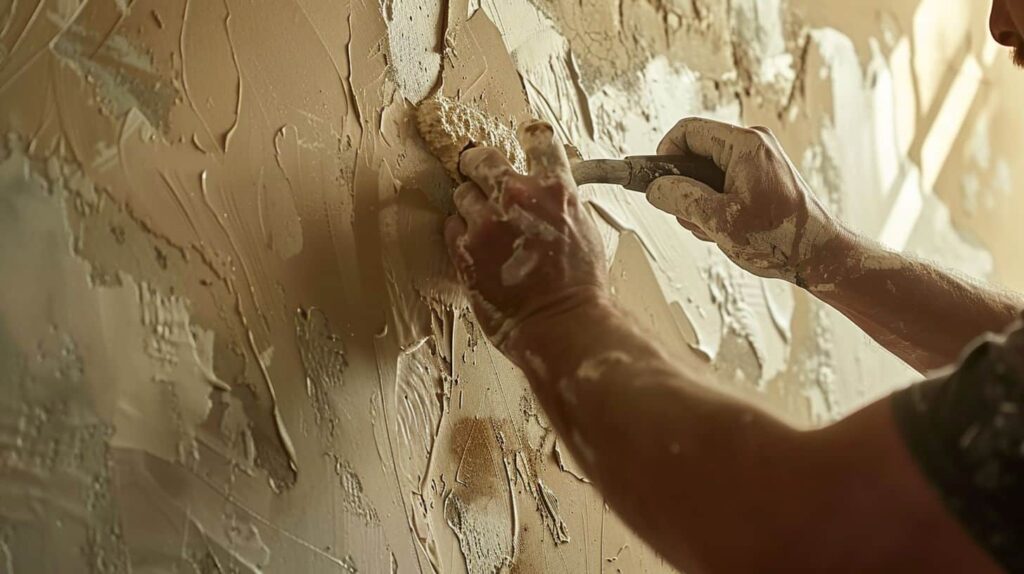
523 245
766 219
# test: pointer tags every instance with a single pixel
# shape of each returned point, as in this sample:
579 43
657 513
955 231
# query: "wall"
229 335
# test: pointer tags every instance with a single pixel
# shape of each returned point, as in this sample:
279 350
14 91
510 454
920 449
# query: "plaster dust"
230 335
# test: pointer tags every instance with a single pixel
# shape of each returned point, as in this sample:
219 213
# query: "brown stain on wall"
479 471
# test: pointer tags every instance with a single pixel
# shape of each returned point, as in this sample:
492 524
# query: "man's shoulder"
965 429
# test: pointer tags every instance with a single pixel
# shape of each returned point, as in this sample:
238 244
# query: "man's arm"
714 484
924 314
769 222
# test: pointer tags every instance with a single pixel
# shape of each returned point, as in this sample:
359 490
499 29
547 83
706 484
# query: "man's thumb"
683 197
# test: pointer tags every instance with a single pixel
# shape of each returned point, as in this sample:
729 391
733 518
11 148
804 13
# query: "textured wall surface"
229 335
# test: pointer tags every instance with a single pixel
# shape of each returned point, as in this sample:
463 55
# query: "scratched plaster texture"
229 336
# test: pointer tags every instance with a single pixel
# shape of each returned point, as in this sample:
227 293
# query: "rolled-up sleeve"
966 432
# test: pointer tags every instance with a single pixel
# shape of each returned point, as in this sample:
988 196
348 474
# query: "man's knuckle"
687 123
486 155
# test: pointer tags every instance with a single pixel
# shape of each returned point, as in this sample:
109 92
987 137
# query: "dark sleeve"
966 432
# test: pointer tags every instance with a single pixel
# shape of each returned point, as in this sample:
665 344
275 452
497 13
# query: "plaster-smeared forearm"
572 351
673 456
924 314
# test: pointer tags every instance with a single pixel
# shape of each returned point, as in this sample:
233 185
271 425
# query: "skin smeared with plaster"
776 240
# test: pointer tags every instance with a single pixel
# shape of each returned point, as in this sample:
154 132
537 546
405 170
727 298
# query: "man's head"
1007 25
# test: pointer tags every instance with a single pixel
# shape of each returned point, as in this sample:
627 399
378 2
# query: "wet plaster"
231 335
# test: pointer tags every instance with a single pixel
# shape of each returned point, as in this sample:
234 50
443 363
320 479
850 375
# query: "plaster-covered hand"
767 220
523 245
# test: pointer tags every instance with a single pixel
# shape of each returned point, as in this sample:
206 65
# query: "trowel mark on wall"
323 358
422 398
292 114
525 476
150 367
355 498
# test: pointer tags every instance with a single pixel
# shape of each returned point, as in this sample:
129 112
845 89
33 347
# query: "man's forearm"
922 313
676 459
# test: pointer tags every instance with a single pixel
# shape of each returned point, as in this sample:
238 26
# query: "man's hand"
767 220
523 245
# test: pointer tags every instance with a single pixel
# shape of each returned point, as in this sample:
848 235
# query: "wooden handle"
644 169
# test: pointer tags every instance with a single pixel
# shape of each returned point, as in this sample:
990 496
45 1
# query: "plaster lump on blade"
450 127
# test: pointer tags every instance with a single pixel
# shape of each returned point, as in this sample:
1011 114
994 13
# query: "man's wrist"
830 263
566 315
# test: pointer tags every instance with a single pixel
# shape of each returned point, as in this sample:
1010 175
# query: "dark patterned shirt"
966 431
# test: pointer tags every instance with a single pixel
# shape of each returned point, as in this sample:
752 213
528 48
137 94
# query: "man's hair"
1018 56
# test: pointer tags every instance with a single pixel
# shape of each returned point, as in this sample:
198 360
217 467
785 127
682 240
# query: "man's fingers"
454 228
454 234
472 204
703 137
545 155
487 167
687 199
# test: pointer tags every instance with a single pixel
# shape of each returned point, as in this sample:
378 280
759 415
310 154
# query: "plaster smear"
246 350
414 40
759 45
